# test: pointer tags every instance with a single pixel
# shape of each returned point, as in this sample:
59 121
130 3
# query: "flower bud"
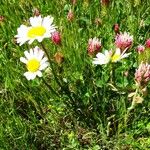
116 28
140 49
1 19
56 38
105 2
70 15
59 58
36 12
147 44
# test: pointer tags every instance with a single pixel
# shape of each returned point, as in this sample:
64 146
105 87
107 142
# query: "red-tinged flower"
147 44
123 40
1 19
140 49
116 28
94 46
70 15
105 2
56 38
142 74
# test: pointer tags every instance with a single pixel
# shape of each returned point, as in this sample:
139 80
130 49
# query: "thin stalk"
50 61
132 106
49 86
64 88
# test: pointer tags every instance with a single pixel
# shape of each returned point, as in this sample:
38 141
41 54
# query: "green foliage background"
32 117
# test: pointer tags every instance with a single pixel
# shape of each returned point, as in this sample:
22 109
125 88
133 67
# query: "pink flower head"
142 74
70 15
140 49
56 38
94 45
123 40
147 43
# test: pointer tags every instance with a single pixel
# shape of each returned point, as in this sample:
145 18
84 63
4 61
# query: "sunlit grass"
33 117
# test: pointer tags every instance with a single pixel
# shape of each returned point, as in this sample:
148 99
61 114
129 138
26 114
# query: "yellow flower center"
36 31
115 57
33 65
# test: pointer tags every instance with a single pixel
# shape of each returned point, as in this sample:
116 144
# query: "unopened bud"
1 19
147 44
56 38
140 49
105 2
116 28
59 58
70 15
36 12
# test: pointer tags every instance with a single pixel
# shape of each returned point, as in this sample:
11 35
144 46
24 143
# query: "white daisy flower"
35 62
102 58
117 56
40 28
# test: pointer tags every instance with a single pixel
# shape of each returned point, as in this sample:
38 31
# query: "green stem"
64 88
49 86
51 65
132 106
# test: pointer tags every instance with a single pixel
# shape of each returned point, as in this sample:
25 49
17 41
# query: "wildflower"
123 40
116 28
147 43
102 58
104 2
70 15
142 74
94 45
40 28
56 38
140 48
35 62
118 55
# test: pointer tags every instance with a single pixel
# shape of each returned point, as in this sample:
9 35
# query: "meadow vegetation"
77 104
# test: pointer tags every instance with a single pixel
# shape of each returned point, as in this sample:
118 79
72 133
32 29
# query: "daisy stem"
49 86
64 88
50 61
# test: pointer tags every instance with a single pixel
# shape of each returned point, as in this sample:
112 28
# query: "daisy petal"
26 53
36 21
43 66
39 73
24 60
